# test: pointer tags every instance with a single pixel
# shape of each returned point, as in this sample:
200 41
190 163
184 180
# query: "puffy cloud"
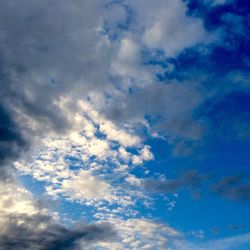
24 224
50 56
166 26
46 52
89 163
85 186
16 200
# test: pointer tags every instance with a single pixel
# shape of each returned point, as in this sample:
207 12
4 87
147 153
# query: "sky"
124 124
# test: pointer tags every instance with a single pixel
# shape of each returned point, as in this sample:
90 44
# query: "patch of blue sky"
74 163
228 115
226 157
190 62
209 213
219 159
37 187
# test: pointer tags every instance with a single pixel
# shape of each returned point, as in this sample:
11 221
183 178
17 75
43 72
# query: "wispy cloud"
190 179
233 188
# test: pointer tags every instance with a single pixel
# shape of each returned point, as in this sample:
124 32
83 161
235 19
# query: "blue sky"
125 125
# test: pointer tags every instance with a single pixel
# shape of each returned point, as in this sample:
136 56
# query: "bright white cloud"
85 186
16 200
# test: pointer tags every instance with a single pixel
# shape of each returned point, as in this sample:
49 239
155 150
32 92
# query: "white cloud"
132 179
128 51
84 166
166 25
16 200
142 234
98 148
85 186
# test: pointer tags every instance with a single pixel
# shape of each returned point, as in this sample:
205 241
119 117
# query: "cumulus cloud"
41 233
84 186
166 26
24 224
45 51
89 163
48 54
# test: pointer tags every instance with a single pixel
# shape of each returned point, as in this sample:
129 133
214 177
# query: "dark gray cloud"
233 187
235 227
11 142
40 232
190 179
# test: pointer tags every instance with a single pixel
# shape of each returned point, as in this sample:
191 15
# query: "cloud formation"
190 179
233 187
40 233
26 225
86 87
12 143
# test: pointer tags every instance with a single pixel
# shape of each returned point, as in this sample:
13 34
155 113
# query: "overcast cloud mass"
124 124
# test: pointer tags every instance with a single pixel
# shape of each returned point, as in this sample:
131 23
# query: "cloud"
26 225
74 104
235 227
40 233
190 179
90 163
12 142
143 234
233 188
241 241
45 52
84 186
49 54
170 108
166 26
218 2
229 243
